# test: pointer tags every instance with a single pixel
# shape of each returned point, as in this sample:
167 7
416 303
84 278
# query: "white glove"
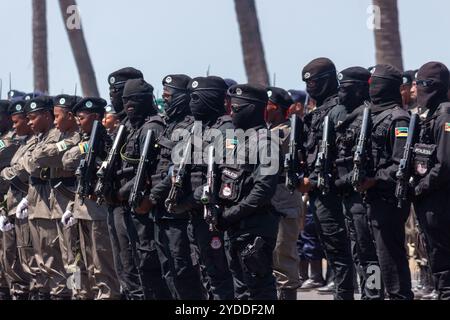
68 220
5 225
22 209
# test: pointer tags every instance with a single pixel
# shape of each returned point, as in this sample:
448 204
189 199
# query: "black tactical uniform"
320 78
142 115
432 171
171 231
353 91
207 106
244 195
124 252
389 132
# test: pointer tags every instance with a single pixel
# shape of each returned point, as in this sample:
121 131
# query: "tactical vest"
164 146
382 123
131 151
197 171
314 123
425 152
346 141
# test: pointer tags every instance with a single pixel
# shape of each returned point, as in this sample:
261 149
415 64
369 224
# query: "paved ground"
313 295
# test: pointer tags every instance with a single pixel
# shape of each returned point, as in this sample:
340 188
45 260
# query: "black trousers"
172 241
388 228
362 245
330 224
251 284
433 214
149 265
124 252
212 260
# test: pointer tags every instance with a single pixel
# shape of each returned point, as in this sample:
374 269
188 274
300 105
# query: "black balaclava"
207 98
248 104
178 104
432 85
353 87
384 88
323 72
117 81
138 94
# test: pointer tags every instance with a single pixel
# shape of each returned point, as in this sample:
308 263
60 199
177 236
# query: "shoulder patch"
62 146
401 132
2 144
84 146
447 127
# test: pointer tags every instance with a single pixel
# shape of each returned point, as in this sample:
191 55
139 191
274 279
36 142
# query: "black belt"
34 181
68 182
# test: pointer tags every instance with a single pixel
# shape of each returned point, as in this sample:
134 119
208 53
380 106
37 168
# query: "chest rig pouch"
424 158
233 181
380 134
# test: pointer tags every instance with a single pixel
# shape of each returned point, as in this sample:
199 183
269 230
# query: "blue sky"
179 36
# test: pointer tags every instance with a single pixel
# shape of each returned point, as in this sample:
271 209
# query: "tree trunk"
40 58
79 47
252 46
387 37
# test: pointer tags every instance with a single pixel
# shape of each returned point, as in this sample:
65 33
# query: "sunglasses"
425 83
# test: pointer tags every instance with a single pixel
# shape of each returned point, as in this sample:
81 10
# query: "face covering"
178 104
207 105
142 107
383 91
322 88
247 115
430 97
352 95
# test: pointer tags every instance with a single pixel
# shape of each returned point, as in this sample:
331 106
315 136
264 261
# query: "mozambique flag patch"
84 147
2 144
62 146
401 132
447 127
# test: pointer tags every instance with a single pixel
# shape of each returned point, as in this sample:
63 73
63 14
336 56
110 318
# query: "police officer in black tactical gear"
432 170
245 191
389 132
207 105
124 252
142 115
322 85
353 92
171 231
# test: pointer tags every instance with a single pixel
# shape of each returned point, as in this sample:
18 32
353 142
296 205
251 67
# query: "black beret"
109 109
4 106
15 94
409 76
137 87
317 68
280 97
208 83
17 107
66 101
33 95
91 104
388 72
249 93
435 71
354 74
230 82
176 81
119 77
41 103
298 96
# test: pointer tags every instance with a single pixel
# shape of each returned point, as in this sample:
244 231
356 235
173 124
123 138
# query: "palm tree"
387 37
80 51
252 46
40 59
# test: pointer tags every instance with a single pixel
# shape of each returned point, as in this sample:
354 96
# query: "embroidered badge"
216 243
447 127
226 191
62 146
231 143
84 147
2 144
401 132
